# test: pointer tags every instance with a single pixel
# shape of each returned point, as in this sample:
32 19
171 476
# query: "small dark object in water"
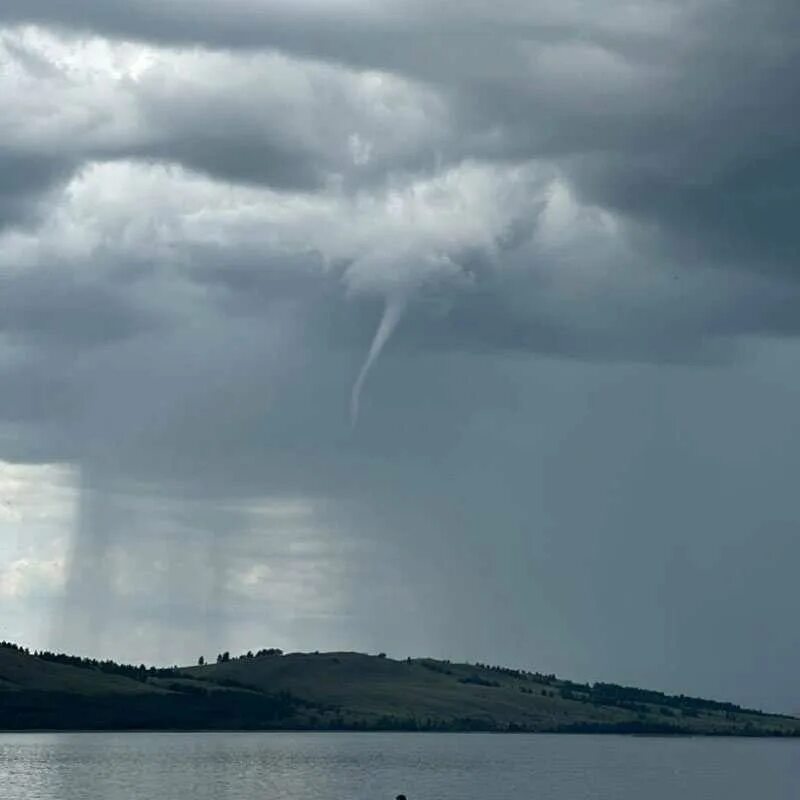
400 797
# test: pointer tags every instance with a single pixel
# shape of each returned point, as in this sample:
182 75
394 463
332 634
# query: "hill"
377 692
22 672
352 691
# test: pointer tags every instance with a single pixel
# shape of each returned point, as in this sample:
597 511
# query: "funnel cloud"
392 314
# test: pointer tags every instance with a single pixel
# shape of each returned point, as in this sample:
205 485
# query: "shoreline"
323 731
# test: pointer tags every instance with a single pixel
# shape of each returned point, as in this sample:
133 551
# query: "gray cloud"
52 309
27 179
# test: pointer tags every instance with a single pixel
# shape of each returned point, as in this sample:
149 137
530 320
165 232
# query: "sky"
461 329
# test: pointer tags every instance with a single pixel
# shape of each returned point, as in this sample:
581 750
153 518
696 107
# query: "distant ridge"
270 690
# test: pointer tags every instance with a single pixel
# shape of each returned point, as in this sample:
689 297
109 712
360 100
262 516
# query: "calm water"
344 766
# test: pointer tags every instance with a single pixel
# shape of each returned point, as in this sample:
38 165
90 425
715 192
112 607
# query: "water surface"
345 766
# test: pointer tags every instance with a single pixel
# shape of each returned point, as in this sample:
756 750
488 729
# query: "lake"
377 766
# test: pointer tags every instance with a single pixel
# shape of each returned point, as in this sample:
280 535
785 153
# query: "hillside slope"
371 691
50 691
330 691
20 671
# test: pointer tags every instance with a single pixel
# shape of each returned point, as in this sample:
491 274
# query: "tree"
201 661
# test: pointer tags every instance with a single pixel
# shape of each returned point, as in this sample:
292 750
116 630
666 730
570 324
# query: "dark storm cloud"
265 119
678 119
238 24
384 34
680 116
26 178
279 126
53 309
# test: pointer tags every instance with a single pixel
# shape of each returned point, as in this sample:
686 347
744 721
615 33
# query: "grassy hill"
371 691
56 692
346 691
22 672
